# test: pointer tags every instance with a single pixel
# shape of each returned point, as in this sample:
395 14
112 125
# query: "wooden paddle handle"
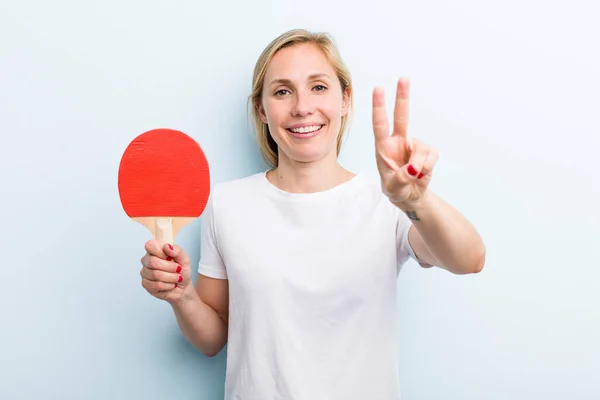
163 230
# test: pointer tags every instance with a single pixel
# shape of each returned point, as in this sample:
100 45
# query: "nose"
302 105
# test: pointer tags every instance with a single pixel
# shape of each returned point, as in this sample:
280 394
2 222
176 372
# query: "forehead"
298 62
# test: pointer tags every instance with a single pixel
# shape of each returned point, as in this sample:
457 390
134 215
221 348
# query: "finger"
156 275
177 254
182 274
416 162
432 158
396 182
401 108
380 123
152 262
155 287
387 162
154 248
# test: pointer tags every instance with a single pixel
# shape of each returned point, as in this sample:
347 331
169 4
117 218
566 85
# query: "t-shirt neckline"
275 191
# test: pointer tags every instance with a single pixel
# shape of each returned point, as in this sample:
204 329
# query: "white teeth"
307 129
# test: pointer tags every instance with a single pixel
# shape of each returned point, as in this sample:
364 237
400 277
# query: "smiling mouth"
305 130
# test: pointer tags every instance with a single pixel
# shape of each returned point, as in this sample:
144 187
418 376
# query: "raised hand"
405 165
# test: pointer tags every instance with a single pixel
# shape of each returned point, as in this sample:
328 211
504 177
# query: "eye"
281 92
320 88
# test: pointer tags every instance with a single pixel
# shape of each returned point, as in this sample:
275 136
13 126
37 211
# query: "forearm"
201 324
451 239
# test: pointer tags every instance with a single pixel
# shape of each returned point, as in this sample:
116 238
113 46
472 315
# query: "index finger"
401 107
380 123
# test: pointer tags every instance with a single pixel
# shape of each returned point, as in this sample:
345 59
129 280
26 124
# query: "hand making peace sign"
405 164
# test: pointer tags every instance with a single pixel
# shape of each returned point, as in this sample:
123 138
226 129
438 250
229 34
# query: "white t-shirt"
312 286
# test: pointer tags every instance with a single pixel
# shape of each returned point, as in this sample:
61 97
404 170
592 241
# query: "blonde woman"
299 263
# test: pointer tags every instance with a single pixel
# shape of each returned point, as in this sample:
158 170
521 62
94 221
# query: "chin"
308 155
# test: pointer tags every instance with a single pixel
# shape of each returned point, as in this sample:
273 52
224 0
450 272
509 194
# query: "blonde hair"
266 144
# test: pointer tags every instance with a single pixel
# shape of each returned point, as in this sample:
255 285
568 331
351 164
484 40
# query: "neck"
317 176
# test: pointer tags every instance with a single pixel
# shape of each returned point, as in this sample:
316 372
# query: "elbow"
478 268
473 266
212 351
477 265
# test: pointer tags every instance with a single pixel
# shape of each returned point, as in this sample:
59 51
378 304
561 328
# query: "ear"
346 101
261 112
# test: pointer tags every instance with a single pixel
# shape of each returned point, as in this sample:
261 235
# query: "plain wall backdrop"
506 90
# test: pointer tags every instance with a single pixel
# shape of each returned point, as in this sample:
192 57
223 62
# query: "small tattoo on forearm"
413 215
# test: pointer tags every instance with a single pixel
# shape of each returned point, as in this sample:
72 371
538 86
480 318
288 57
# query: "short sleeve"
403 247
211 262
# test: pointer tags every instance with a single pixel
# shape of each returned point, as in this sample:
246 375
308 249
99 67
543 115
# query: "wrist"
189 296
417 205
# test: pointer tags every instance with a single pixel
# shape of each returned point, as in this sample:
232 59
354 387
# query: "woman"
299 263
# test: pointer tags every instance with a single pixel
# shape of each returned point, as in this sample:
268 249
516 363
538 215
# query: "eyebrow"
287 81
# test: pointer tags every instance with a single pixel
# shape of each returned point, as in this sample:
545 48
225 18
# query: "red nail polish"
171 247
420 175
169 259
180 278
175 285
178 268
412 170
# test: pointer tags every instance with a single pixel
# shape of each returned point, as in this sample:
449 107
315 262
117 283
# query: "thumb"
397 182
176 253
153 248
404 176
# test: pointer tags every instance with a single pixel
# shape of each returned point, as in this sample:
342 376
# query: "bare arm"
201 311
443 237
202 314
440 235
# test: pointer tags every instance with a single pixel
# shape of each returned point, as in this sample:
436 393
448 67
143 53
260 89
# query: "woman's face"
303 104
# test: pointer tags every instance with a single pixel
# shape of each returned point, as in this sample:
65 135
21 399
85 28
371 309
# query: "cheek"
275 119
332 107
333 114
274 112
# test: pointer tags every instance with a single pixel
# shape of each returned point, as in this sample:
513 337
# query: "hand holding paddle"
166 272
164 184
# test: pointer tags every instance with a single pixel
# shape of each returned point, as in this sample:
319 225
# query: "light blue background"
507 91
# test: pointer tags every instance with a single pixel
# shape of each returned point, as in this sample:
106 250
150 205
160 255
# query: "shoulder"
226 192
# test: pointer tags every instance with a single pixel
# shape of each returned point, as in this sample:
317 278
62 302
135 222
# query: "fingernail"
169 259
175 285
412 170
178 268
420 175
180 278
171 247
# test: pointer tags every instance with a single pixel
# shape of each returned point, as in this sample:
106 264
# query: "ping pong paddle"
164 182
